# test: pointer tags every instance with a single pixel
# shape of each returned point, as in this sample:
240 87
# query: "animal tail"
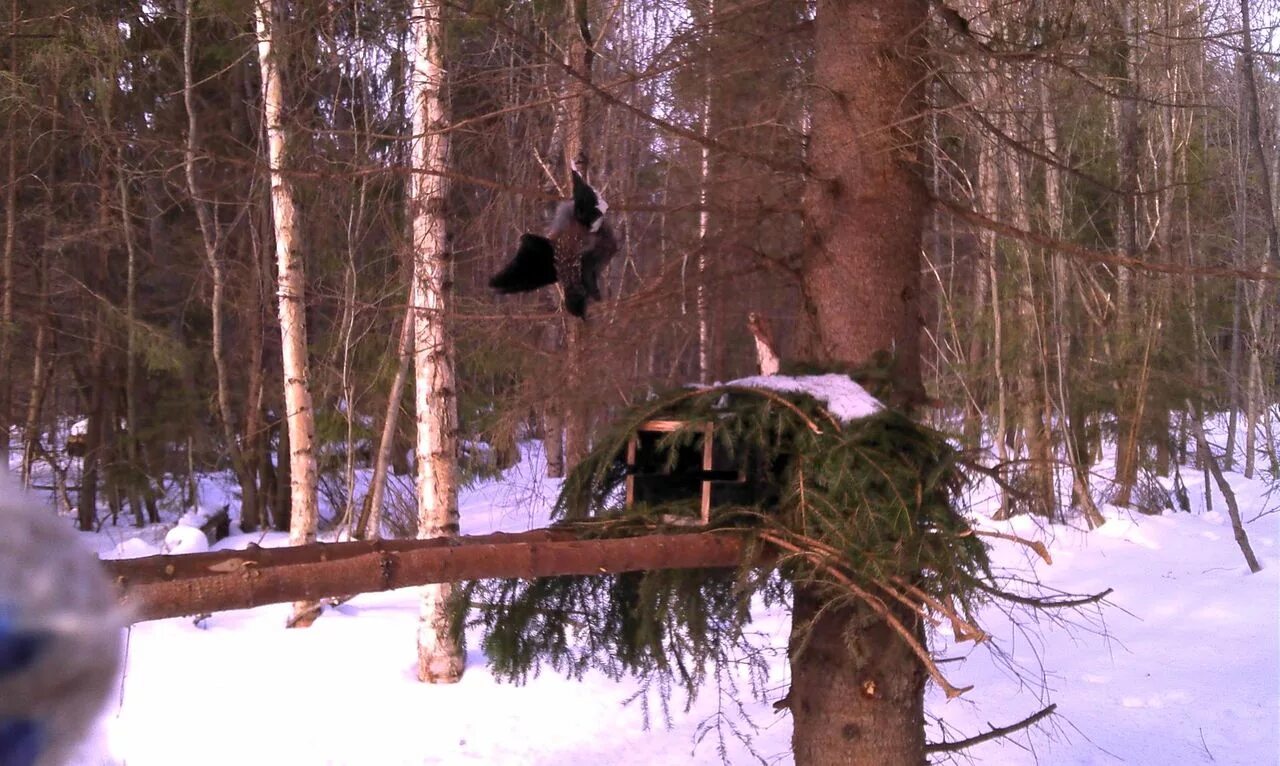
534 266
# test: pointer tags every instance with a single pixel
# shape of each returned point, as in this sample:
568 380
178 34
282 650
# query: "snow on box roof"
844 398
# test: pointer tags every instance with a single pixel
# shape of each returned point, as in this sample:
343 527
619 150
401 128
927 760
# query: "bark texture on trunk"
440 656
847 709
6 285
866 203
857 690
291 290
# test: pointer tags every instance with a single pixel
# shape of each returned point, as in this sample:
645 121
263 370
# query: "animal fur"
578 245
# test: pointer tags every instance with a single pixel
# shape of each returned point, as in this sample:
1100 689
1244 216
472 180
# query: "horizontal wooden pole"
170 586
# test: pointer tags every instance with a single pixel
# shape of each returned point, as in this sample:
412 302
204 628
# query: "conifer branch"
877 605
995 733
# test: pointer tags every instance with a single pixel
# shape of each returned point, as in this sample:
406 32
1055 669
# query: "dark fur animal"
578 245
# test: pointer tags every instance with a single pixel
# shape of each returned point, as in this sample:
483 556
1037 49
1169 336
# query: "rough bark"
1256 293
440 655
6 281
1253 119
863 706
1128 241
856 692
291 289
169 586
865 202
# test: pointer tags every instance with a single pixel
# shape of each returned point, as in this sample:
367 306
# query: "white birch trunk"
704 227
291 292
440 657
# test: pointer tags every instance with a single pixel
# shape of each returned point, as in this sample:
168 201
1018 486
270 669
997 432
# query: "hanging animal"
575 251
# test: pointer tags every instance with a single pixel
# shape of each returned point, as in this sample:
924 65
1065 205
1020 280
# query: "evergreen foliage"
865 509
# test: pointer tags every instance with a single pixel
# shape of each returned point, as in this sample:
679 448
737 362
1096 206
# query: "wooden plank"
631 469
664 426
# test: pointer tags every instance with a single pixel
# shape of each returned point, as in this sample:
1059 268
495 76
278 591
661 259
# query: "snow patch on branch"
847 400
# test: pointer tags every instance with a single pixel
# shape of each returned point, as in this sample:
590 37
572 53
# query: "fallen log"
171 586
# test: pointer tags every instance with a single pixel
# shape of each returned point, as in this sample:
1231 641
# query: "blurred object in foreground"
59 634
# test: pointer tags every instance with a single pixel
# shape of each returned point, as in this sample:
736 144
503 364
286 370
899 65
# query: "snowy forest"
948 329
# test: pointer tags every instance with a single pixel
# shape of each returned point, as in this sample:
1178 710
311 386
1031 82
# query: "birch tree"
291 293
440 657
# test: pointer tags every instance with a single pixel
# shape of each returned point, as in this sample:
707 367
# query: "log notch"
171 586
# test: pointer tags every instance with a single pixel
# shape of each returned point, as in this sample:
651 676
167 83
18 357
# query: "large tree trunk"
6 277
212 242
987 279
1256 293
847 710
299 416
704 227
1040 487
138 482
255 492
440 655
856 693
865 202
1128 239
94 384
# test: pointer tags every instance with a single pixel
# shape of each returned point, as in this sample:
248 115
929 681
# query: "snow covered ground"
1180 667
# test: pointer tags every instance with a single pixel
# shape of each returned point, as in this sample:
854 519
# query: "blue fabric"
18 648
21 740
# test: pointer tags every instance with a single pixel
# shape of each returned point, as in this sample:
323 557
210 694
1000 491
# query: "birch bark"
440 655
291 295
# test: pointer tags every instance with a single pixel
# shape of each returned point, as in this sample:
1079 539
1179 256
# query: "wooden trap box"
703 471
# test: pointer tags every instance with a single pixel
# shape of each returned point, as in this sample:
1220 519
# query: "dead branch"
1233 508
1034 545
995 733
1043 603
